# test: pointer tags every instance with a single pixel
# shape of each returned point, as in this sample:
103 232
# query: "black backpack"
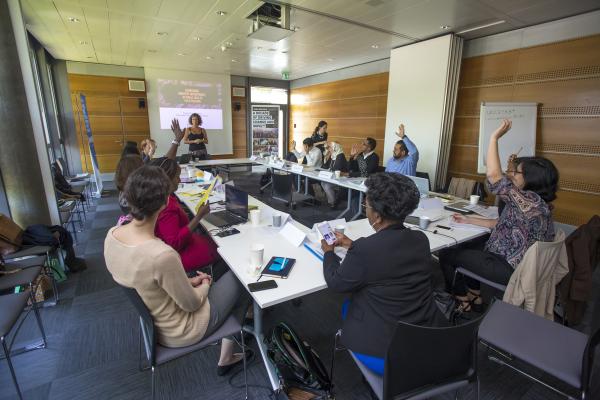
298 364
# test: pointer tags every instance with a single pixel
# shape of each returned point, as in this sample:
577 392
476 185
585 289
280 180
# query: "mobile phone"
228 232
264 285
327 233
443 227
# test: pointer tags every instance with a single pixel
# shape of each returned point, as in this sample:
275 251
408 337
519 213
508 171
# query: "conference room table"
307 275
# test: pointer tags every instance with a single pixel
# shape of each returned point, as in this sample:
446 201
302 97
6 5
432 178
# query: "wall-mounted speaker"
237 106
142 103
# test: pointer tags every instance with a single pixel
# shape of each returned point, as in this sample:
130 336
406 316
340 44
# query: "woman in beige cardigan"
184 309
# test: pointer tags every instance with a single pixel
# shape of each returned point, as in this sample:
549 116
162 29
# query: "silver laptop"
422 184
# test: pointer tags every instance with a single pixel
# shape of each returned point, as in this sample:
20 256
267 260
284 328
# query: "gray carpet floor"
93 338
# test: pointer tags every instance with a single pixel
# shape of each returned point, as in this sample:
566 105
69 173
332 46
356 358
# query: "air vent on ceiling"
270 22
137 86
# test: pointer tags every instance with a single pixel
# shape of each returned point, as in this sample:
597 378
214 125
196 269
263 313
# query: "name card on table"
325 174
297 168
252 158
292 234
278 164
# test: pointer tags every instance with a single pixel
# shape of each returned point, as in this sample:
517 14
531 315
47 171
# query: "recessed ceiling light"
182 54
234 60
228 44
151 51
445 27
73 19
295 28
330 59
258 48
221 13
375 46
162 33
197 38
83 42
209 58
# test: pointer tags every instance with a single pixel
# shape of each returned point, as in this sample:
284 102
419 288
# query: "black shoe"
225 369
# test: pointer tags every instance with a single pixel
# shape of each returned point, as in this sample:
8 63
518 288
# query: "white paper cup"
256 258
255 217
339 229
337 174
474 199
276 220
424 222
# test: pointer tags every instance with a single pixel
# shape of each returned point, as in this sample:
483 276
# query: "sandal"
477 307
463 306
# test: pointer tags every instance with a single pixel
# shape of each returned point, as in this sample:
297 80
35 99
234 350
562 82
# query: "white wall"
416 96
219 141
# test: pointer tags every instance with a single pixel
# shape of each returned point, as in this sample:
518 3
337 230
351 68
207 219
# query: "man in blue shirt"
405 156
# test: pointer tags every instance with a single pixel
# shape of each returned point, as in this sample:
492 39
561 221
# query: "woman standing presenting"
196 137
319 136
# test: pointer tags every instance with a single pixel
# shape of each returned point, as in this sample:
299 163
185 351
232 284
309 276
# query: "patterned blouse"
526 219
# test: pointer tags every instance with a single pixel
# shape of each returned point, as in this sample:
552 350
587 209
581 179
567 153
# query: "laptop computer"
236 209
422 185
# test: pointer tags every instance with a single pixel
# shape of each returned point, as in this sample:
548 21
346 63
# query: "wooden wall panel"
115 116
353 108
564 78
239 127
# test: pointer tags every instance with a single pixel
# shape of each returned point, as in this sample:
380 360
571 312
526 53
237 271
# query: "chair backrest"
420 358
588 361
146 322
461 187
282 184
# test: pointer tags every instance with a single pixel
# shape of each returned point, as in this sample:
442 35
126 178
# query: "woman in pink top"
178 231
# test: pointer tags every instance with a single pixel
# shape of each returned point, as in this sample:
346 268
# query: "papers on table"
433 214
315 249
292 234
191 191
469 227
487 212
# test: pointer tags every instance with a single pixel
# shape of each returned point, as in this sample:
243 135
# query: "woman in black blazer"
388 274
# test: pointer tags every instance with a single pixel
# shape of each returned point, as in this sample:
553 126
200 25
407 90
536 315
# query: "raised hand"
202 211
354 151
502 129
176 130
400 131
293 145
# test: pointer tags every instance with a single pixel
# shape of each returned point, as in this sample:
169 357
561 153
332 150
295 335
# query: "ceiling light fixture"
475 28
151 51
182 54
89 57
162 33
234 60
228 44
375 46
221 13
445 27
198 38
209 58
330 59
258 48
73 19
83 42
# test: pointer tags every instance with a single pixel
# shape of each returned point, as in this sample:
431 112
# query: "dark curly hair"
309 142
195 115
372 143
125 167
540 175
393 196
146 191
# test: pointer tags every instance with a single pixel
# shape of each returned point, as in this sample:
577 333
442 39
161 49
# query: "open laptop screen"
236 201
422 184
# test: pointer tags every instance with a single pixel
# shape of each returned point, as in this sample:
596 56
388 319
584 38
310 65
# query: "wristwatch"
175 142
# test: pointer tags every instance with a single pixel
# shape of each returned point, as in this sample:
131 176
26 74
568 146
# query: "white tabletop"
307 275
225 161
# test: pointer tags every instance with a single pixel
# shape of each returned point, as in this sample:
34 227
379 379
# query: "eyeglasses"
513 172
365 205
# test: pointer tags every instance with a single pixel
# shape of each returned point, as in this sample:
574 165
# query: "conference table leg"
360 207
347 210
258 333
305 185
299 185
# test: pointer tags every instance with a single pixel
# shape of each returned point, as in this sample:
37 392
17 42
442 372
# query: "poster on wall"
86 120
265 129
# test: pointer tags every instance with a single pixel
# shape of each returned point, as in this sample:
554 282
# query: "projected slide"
179 99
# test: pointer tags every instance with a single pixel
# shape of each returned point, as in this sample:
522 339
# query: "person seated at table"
388 275
184 310
311 156
178 231
405 157
527 190
148 148
130 148
130 163
363 160
335 160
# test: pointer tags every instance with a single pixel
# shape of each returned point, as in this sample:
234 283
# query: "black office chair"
282 189
423 362
158 355
564 353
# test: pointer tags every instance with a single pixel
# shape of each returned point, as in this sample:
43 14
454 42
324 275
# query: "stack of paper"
469 227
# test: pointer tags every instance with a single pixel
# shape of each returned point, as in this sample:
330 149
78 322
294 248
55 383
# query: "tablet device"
327 233
279 267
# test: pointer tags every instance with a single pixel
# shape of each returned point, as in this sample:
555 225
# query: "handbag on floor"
298 364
